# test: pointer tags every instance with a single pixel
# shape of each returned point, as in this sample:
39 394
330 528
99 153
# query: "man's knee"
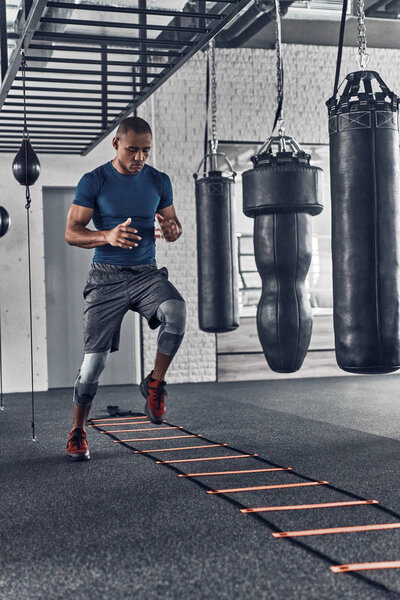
172 314
84 392
88 377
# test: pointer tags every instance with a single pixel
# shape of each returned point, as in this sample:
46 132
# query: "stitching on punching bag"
376 247
278 290
295 284
232 250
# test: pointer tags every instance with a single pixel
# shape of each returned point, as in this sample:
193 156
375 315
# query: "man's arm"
77 234
169 223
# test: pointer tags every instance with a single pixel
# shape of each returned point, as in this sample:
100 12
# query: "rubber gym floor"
125 526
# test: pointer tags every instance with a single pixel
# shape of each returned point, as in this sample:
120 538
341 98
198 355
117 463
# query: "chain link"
214 141
363 56
278 42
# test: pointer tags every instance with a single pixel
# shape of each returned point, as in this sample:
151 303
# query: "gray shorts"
112 290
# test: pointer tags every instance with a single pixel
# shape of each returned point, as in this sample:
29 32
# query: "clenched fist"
123 236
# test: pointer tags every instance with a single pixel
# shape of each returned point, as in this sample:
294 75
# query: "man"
123 196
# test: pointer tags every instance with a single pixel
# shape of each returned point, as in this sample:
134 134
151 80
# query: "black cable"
30 310
280 104
1 370
340 47
27 206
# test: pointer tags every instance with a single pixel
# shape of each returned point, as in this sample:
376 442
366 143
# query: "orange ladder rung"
266 487
163 462
305 506
351 529
182 448
241 471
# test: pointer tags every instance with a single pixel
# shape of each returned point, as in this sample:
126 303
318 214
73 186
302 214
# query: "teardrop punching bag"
282 193
365 191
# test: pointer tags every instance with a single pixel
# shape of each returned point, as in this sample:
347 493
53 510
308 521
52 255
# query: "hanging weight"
365 191
216 254
282 193
4 221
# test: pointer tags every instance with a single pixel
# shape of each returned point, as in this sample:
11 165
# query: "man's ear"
115 142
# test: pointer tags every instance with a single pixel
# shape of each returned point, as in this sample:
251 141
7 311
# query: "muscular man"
123 196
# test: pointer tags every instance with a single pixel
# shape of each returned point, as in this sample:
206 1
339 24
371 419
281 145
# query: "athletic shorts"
112 290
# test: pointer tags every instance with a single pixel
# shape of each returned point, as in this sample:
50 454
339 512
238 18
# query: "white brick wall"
246 96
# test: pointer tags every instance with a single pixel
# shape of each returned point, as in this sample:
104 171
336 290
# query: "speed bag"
282 193
26 165
216 254
4 221
365 192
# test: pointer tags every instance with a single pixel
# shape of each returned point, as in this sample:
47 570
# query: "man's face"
132 151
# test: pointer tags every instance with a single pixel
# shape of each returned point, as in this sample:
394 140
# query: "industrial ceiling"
89 65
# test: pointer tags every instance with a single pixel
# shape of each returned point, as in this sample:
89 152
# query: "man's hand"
123 236
170 228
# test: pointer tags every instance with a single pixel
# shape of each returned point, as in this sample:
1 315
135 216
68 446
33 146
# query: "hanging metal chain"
214 140
363 56
279 73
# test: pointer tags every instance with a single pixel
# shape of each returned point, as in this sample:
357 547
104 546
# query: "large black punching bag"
365 191
216 253
282 193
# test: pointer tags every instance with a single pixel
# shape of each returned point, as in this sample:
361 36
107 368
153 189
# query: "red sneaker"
77 448
155 393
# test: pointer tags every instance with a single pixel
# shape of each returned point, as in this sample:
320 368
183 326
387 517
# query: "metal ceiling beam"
24 40
100 24
81 61
74 98
55 105
18 124
108 40
133 11
97 50
3 40
45 120
68 90
84 81
235 10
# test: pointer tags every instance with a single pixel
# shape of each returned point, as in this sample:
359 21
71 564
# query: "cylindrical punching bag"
365 191
282 193
4 221
216 253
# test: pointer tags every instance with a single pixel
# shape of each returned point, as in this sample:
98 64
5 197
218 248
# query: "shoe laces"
77 438
158 392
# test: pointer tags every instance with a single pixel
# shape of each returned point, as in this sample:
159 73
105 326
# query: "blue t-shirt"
114 197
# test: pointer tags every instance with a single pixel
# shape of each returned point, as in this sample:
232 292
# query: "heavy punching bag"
282 193
365 191
217 263
216 253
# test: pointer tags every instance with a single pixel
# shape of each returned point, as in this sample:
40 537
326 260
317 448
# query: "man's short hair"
135 124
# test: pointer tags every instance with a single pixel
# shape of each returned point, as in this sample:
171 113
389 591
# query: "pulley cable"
27 206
